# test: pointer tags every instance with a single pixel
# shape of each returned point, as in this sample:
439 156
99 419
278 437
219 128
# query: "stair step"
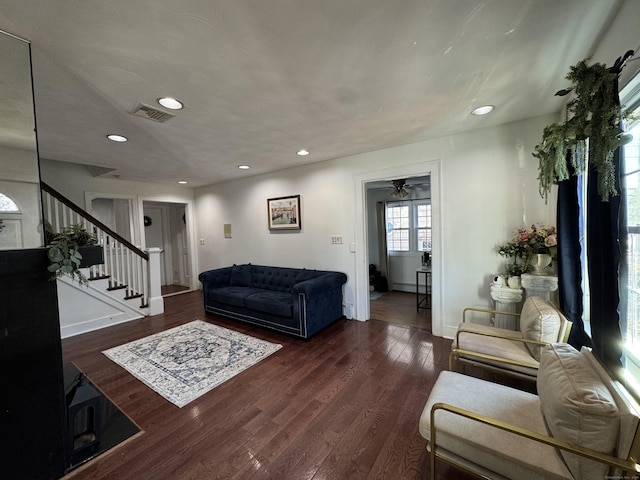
129 297
117 287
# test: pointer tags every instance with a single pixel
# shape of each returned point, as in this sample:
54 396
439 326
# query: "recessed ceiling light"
482 110
303 152
170 103
117 138
244 167
182 182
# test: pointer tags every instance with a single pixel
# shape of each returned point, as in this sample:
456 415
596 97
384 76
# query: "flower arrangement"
537 239
525 243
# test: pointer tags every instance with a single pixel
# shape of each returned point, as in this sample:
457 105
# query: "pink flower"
551 240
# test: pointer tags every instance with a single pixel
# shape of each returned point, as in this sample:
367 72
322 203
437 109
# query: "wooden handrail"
61 198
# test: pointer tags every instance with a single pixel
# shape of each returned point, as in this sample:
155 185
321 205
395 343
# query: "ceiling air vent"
145 111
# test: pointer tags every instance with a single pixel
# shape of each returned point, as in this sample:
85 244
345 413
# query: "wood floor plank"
344 404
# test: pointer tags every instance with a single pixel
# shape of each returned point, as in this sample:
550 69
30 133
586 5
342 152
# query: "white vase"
513 282
540 262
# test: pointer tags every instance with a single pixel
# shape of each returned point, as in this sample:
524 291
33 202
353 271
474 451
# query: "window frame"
413 227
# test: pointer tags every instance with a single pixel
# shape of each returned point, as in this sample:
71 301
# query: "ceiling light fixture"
244 167
398 189
182 182
482 110
170 103
303 152
117 138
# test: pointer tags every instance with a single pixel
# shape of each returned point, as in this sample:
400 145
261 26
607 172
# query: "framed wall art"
284 213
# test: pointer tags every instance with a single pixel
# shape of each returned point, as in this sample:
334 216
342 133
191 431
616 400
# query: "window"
632 282
398 227
409 226
423 222
7 205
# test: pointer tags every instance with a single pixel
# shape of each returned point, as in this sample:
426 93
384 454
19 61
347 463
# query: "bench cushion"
539 321
578 407
495 450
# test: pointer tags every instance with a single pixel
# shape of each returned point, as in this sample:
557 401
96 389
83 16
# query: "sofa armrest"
626 465
322 283
218 277
484 310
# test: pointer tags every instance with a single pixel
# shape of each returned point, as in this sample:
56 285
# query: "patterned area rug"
187 361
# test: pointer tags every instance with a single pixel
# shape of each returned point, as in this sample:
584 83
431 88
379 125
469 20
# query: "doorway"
398 240
362 246
165 227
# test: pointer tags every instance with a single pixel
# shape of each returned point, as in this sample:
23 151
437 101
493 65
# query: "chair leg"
432 464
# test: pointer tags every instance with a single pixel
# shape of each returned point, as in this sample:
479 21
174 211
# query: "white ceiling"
261 79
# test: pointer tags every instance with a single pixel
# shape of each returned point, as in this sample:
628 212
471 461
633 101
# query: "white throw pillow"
539 321
578 407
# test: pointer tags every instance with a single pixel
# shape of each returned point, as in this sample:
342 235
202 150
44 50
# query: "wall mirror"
20 205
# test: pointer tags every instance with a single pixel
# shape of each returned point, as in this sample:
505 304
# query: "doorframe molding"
190 230
431 168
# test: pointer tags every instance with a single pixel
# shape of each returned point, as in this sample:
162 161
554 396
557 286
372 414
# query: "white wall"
488 188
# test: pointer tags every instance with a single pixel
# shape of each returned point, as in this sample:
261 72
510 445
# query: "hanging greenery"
593 122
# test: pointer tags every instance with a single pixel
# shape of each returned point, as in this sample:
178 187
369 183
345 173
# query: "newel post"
156 303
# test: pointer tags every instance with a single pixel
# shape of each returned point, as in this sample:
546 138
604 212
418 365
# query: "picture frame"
283 213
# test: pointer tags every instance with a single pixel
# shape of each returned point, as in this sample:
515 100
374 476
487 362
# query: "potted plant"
591 132
70 250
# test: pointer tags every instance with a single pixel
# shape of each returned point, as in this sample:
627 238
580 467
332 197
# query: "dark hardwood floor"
343 405
400 308
173 289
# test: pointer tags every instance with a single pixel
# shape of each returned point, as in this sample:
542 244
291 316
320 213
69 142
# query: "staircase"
125 287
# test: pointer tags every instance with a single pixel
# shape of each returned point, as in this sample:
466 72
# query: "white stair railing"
125 265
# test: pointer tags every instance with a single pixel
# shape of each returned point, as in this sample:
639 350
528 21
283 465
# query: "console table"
423 299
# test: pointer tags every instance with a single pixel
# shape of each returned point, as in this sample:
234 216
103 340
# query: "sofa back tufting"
280 279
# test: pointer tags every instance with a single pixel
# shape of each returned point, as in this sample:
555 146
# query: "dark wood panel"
344 404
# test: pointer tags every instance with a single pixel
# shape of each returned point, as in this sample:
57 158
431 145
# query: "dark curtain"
603 252
604 239
569 263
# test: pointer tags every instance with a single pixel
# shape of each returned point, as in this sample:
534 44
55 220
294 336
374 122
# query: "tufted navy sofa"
291 300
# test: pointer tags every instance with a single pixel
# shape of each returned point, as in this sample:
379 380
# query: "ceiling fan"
398 189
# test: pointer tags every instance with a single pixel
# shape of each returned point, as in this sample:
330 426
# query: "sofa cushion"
231 295
276 303
578 407
539 321
240 275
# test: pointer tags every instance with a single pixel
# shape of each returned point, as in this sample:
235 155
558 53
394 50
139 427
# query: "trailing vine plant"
591 132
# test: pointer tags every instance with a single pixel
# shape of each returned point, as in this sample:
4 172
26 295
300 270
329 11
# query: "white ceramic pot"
514 282
540 262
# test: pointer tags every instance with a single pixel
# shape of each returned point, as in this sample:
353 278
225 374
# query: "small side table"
423 299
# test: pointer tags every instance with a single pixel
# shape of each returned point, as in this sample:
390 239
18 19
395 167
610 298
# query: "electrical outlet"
336 239
202 241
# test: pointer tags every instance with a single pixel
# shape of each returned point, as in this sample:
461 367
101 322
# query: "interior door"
184 272
154 234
